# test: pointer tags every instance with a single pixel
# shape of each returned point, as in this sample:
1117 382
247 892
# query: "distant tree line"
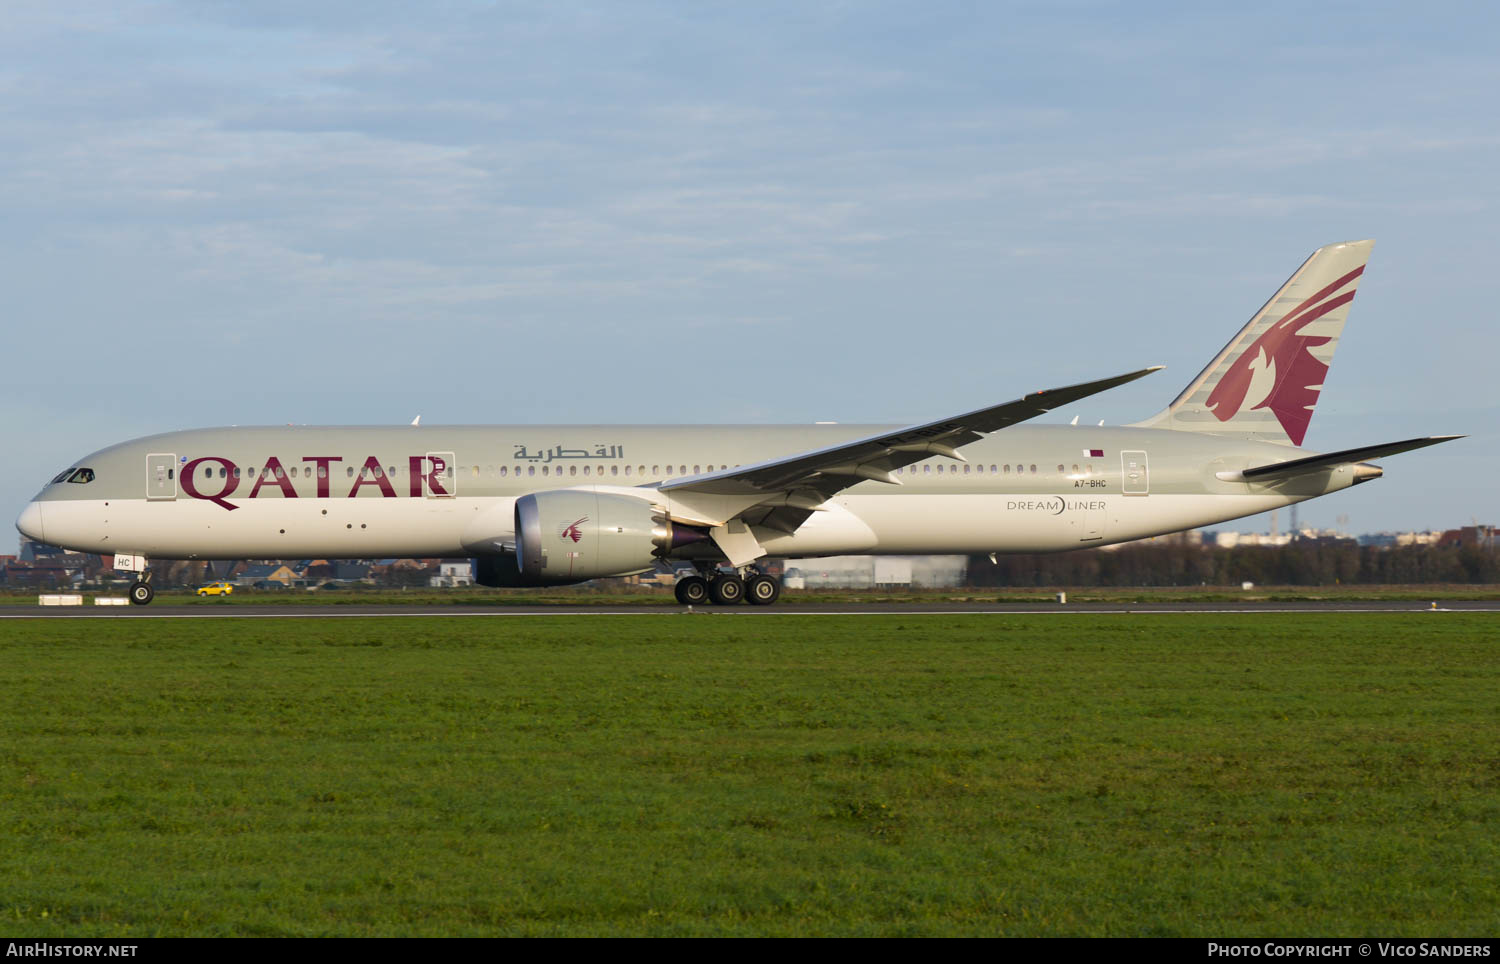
1303 563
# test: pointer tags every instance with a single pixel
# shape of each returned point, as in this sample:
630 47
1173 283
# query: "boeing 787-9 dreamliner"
550 505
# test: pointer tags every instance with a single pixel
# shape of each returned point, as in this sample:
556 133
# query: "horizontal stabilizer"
1318 463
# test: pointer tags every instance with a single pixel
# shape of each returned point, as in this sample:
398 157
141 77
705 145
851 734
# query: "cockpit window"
82 476
62 476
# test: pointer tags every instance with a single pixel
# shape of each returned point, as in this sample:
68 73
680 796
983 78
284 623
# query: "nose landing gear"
141 593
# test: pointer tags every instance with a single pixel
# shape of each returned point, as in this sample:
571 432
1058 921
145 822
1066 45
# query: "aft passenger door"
161 476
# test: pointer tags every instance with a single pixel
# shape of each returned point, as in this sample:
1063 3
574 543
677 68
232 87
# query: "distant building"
266 572
870 572
50 570
1480 535
32 551
1229 540
454 572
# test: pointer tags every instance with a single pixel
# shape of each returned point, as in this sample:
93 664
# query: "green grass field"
718 774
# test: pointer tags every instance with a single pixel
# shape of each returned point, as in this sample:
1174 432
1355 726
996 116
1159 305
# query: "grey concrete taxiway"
273 611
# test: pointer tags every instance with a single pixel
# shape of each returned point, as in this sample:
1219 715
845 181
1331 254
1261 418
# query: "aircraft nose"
30 522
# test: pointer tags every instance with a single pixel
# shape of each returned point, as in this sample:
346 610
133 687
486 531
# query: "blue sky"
223 213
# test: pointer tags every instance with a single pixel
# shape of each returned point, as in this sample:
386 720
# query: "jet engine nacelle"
570 535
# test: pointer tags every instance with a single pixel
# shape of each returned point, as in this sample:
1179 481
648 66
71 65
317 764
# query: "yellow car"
216 589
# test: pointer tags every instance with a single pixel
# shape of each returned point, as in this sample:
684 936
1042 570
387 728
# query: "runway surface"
241 611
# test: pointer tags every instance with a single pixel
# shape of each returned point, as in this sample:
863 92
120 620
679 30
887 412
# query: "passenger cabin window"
82 476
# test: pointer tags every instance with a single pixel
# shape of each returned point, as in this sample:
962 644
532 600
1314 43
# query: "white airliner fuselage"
1029 489
551 505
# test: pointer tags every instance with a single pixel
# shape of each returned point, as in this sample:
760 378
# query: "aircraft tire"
762 590
691 590
141 593
727 591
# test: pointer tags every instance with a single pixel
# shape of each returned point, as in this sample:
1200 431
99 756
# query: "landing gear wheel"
762 590
141 593
727 591
691 590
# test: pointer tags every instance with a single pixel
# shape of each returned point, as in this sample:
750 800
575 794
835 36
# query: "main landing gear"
727 588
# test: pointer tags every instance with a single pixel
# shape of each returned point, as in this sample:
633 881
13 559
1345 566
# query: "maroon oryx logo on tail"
572 531
1279 371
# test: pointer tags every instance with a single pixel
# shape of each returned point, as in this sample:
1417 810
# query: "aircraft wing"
820 473
1318 463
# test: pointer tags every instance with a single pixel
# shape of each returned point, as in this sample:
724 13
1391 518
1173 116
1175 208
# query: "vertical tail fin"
1266 381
